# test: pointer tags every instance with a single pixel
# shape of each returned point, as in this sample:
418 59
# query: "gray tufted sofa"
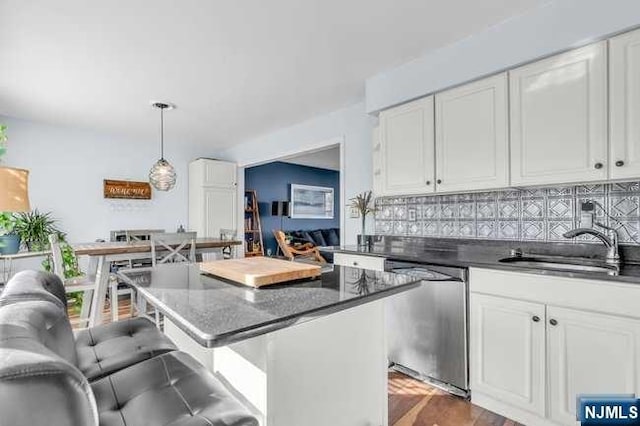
122 374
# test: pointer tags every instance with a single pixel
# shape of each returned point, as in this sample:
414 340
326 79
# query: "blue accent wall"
272 182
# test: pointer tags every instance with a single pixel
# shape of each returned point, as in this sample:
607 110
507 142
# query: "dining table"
102 254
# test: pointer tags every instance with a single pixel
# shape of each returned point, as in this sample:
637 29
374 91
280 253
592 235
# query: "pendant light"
162 175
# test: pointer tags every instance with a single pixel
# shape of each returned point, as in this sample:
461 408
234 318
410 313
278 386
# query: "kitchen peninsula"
307 352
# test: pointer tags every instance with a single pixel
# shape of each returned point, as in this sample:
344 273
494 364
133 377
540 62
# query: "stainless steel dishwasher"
427 327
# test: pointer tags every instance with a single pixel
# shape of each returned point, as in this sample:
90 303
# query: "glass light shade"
162 175
14 190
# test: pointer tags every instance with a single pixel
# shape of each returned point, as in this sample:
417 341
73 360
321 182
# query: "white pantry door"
218 210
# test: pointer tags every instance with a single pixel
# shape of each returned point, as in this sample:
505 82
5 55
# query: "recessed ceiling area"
324 159
235 69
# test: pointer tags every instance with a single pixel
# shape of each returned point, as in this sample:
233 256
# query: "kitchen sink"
572 265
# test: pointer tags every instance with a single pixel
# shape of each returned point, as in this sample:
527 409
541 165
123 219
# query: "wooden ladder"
253 244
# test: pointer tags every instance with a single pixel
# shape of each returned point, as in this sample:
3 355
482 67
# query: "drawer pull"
355 263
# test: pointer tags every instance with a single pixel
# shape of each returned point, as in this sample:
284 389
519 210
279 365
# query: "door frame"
337 141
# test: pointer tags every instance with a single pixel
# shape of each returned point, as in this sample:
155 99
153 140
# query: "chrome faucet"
609 238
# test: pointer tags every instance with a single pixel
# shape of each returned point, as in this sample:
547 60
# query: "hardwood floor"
124 312
413 403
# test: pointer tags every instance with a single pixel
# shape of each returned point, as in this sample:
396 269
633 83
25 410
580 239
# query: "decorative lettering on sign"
127 189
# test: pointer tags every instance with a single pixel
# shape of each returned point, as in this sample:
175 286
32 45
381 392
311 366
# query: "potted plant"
9 239
34 229
364 204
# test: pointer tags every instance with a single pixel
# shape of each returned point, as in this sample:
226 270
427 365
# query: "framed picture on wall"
311 202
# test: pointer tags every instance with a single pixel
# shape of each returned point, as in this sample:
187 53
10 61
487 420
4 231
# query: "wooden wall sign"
127 189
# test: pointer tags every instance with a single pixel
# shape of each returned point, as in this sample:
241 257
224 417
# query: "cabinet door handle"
553 322
428 182
439 181
598 165
619 163
536 318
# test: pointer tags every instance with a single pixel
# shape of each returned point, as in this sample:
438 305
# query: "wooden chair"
307 250
134 236
72 285
116 288
170 248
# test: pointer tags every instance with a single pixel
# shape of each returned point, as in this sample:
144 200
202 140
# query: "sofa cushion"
111 347
172 389
331 236
318 238
306 236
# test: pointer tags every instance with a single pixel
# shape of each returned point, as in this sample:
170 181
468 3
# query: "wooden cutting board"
260 271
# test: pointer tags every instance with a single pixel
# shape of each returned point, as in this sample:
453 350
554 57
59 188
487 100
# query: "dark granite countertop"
487 254
217 312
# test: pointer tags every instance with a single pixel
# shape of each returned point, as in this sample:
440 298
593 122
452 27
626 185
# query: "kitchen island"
310 352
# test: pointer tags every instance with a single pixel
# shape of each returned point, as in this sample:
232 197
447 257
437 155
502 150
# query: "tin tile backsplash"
529 214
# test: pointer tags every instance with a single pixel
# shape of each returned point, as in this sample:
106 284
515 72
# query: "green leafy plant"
364 203
34 229
71 270
7 224
69 262
3 140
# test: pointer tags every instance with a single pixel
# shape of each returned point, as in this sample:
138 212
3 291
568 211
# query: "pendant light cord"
161 133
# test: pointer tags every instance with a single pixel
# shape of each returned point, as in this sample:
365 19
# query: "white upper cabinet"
559 118
472 143
624 106
589 353
206 172
407 148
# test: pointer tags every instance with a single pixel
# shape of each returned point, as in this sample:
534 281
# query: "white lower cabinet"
374 263
507 350
538 341
589 354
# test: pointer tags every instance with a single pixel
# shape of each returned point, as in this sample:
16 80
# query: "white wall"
351 123
555 26
67 169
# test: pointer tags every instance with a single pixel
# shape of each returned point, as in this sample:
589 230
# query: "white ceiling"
235 68
324 159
